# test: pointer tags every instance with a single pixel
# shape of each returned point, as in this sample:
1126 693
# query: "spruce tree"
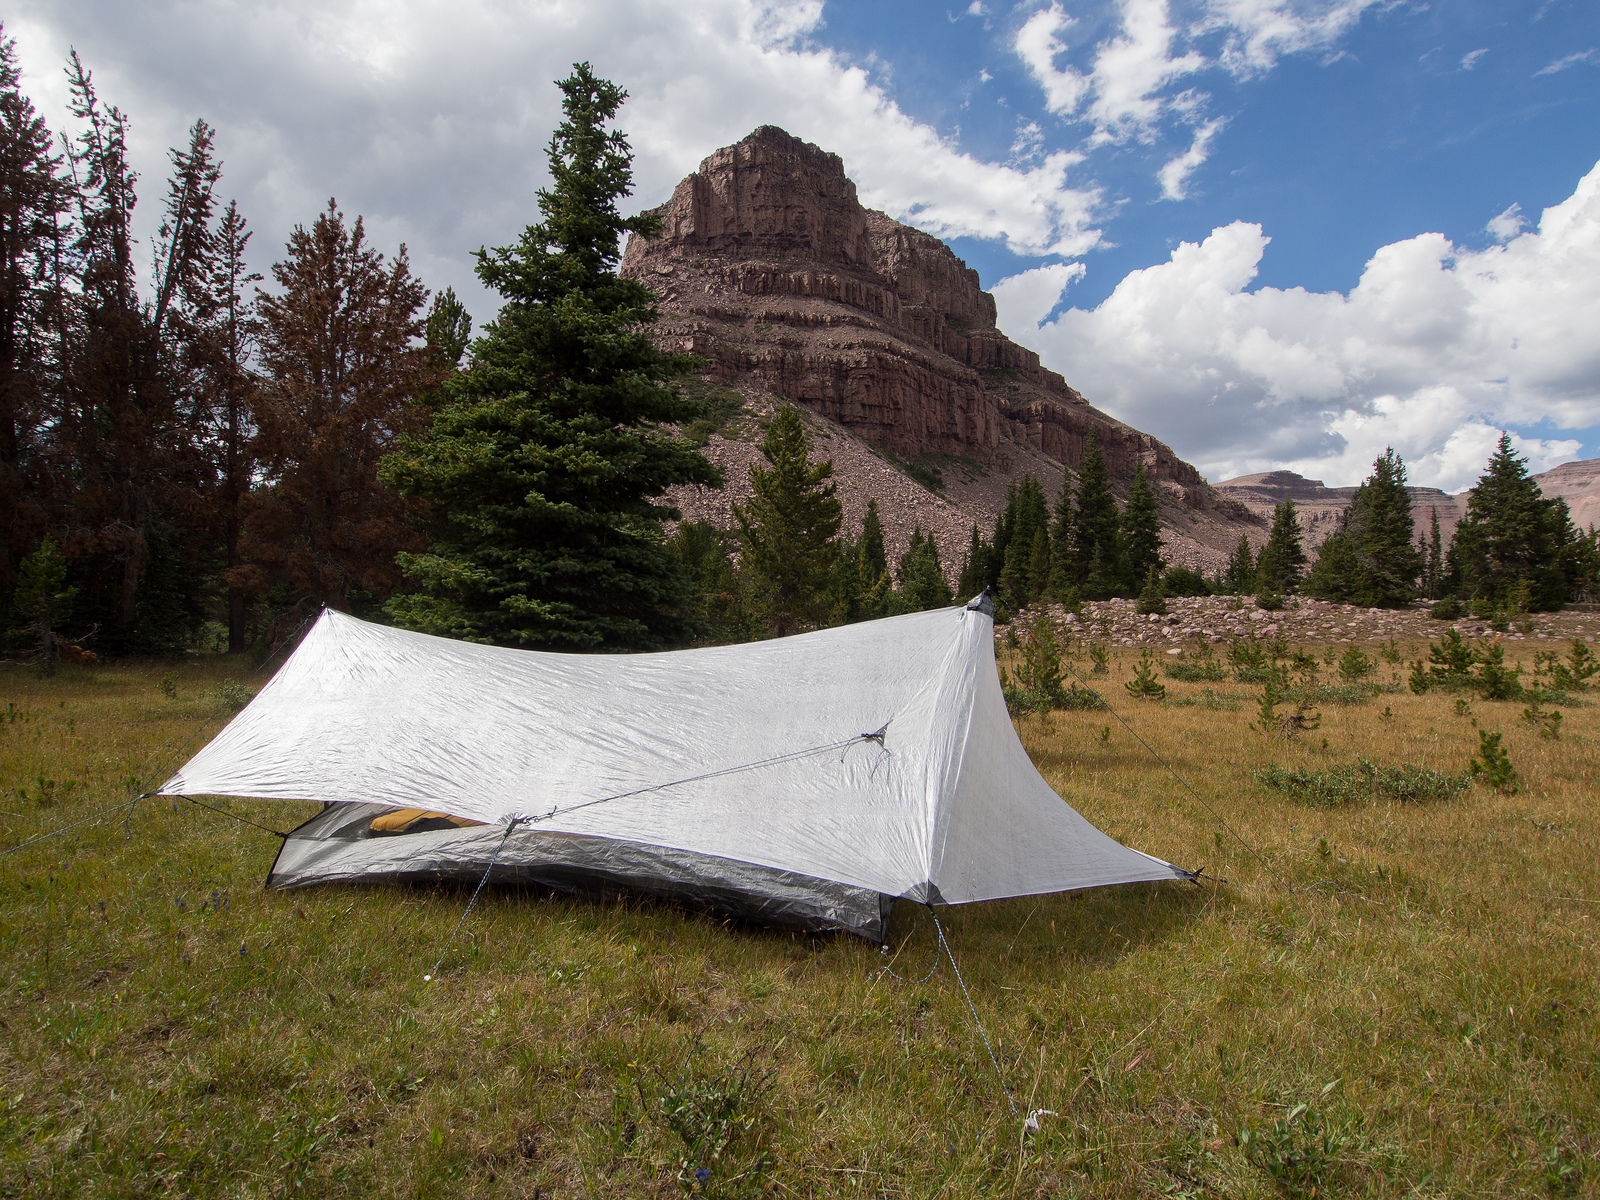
1370 559
1283 559
546 458
715 600
788 526
1141 534
974 567
1512 539
877 558
1239 577
1064 579
34 197
1096 551
226 337
1434 574
922 582
447 331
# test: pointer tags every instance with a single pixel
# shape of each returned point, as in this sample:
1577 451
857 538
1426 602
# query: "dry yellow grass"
172 1029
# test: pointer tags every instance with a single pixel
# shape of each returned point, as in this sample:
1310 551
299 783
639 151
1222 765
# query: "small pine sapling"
1581 665
1495 680
1354 665
1100 656
1152 600
1144 685
1450 660
1420 679
1268 719
1548 723
1493 763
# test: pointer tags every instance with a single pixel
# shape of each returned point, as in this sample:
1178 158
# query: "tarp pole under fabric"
820 774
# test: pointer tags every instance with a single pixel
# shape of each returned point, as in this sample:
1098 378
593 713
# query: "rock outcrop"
1578 483
769 267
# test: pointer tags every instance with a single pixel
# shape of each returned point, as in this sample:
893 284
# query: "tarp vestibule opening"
806 781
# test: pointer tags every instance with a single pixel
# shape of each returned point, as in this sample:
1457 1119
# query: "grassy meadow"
1393 999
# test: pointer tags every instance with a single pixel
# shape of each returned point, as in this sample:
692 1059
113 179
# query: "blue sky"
1271 232
1420 117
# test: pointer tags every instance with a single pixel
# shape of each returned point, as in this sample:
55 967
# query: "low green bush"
1363 780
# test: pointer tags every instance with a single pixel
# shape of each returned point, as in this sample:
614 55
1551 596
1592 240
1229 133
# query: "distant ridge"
1319 506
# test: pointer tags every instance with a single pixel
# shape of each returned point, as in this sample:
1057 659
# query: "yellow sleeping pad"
417 820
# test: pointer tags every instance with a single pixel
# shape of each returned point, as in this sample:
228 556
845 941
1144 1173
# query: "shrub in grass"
1580 668
1361 780
1448 609
1450 662
1038 685
1100 656
234 696
1081 699
1248 657
1336 693
1203 668
1300 1152
1209 700
711 1120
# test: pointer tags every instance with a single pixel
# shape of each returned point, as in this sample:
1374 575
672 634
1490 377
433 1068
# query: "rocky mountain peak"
770 196
769 268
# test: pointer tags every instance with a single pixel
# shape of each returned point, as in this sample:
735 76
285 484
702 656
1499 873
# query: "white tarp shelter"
808 780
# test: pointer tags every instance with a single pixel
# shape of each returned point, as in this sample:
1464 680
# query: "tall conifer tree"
34 199
1239 576
546 460
1283 559
1141 534
1096 548
343 379
1370 559
789 525
974 567
872 548
1513 539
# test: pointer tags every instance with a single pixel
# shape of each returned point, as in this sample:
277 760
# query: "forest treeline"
194 457
201 452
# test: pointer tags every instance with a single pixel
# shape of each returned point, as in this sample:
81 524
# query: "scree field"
1384 986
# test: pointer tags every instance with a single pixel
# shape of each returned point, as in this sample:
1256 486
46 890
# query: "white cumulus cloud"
1260 32
1433 351
430 117
1024 300
1174 174
1121 94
